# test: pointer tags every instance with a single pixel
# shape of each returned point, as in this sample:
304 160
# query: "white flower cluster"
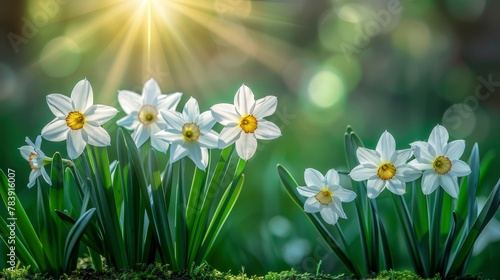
437 161
152 116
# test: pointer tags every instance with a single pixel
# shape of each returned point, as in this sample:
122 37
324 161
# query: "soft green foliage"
438 231
46 246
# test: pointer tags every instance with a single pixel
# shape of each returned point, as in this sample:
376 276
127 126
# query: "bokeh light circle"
60 57
326 88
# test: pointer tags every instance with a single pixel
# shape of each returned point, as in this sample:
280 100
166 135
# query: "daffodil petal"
313 177
265 107
311 205
401 156
159 144
332 177
141 134
246 145
345 195
228 136
423 151
32 178
56 130
96 136
99 114
329 215
407 173
308 191
59 104
386 146
196 155
191 110
244 101
205 121
336 206
438 138
420 166
363 172
375 187
130 121
168 101
150 91
169 135
430 181
267 130
75 144
177 151
449 184
367 156
46 176
396 186
129 101
460 168
173 119
225 113
38 141
209 140
454 149
82 96
26 151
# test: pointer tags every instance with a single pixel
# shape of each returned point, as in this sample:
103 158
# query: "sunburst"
167 38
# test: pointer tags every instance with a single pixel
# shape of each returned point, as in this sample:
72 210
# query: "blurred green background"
402 66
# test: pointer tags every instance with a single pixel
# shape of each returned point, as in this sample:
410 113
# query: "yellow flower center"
191 132
147 114
75 120
386 171
30 161
325 196
248 123
442 165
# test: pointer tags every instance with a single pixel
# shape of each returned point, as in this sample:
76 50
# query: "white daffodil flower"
143 113
36 159
189 134
77 120
325 195
440 162
384 167
244 121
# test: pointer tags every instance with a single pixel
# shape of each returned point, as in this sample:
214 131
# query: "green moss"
204 271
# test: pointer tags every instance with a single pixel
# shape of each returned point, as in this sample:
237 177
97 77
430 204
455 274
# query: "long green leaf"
73 239
221 213
56 202
91 237
410 235
159 211
217 182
